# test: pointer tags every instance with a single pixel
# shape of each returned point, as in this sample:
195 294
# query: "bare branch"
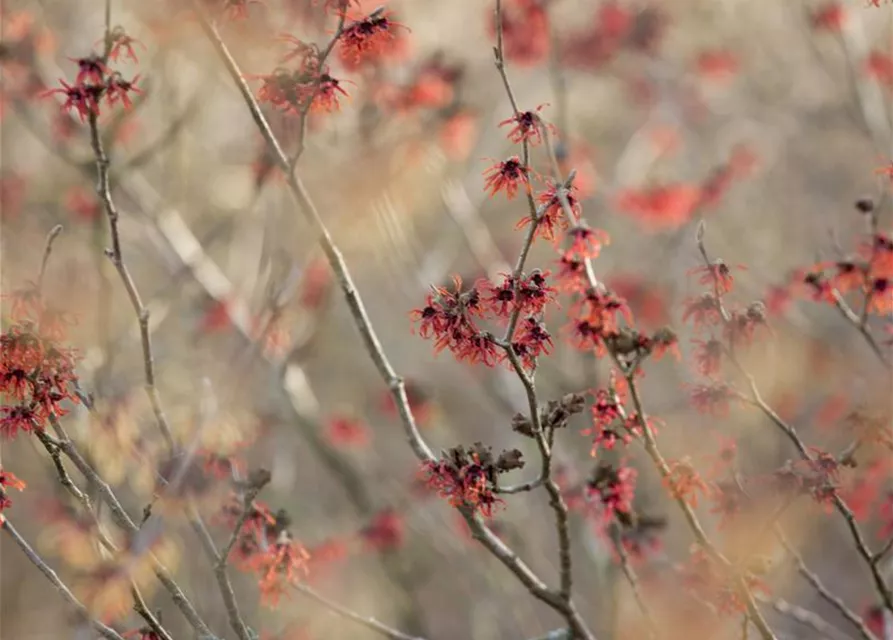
65 592
347 614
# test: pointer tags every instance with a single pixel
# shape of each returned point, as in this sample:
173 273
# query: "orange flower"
684 483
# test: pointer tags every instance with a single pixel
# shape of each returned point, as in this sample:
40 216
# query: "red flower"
527 126
280 567
506 176
708 356
551 212
91 71
530 341
83 99
385 532
532 295
347 431
742 326
880 296
662 207
369 37
571 275
13 189
525 31
717 65
8 480
684 483
879 66
586 243
646 300
457 134
290 91
602 309
120 42
662 342
465 485
718 275
82 204
613 489
713 399
830 17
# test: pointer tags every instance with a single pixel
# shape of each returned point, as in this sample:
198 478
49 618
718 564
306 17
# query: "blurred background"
782 108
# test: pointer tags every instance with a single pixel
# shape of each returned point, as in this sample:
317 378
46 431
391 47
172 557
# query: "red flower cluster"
451 318
527 126
716 584
525 31
613 489
869 274
310 83
94 82
385 532
37 373
468 478
265 547
8 480
818 477
507 176
368 38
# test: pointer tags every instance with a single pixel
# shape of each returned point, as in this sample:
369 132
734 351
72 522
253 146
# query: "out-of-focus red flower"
385 532
684 482
13 189
347 431
8 480
121 44
612 489
216 318
829 17
281 566
578 156
717 65
82 204
525 31
717 276
660 207
369 38
458 132
879 66
713 399
326 556
420 403
646 299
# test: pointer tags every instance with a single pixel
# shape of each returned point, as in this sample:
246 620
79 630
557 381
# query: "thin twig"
65 592
804 617
333 254
47 250
791 433
369 336
556 500
347 614
103 190
824 593
125 522
633 581
236 622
